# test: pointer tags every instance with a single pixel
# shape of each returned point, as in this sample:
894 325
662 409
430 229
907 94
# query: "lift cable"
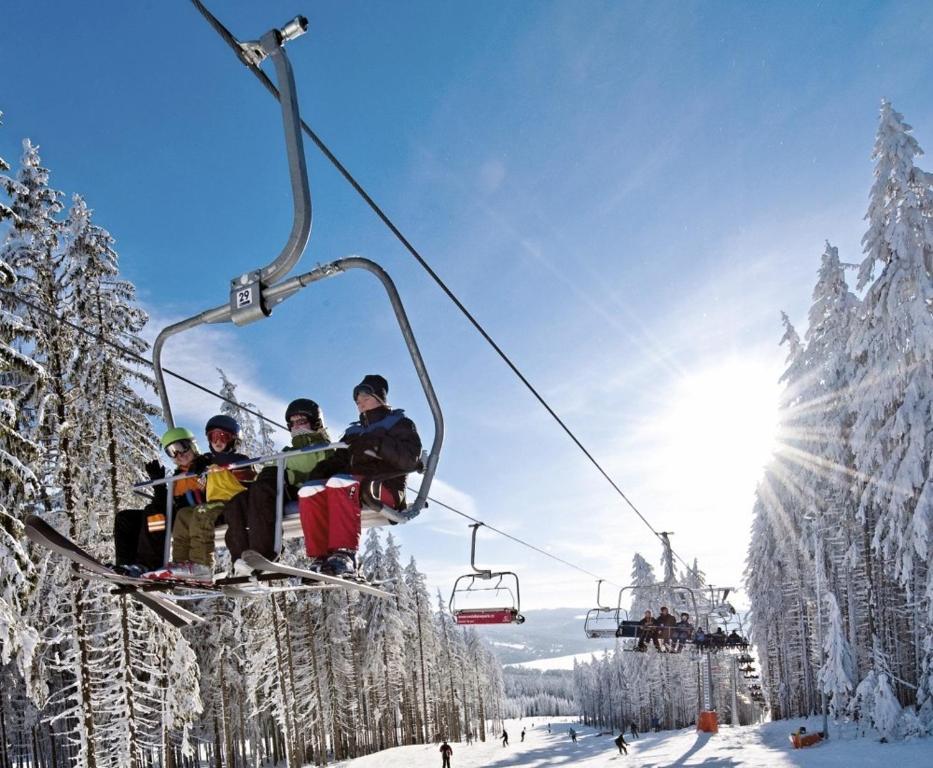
145 361
140 359
520 541
268 84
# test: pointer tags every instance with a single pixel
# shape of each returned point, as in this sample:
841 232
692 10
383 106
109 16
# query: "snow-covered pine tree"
231 406
891 434
643 599
422 649
19 373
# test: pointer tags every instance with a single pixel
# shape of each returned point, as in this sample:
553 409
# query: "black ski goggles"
364 389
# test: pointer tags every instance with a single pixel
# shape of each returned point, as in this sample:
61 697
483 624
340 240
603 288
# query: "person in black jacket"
446 751
383 446
647 630
665 622
621 743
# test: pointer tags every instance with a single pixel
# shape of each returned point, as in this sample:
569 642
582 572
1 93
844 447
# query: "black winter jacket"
383 445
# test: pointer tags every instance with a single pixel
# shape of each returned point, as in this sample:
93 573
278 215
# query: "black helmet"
226 423
305 407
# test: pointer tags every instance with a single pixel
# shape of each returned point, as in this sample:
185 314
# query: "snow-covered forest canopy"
92 679
843 514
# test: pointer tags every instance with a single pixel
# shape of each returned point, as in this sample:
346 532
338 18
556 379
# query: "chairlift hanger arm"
482 573
271 44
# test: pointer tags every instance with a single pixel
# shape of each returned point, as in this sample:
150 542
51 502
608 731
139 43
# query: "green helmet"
175 434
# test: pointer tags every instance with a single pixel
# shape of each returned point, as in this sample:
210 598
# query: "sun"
720 424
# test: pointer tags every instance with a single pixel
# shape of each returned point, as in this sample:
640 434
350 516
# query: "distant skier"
573 735
548 727
633 729
446 752
621 743
505 738
523 734
656 723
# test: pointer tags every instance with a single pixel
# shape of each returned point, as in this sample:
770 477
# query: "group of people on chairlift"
669 635
331 487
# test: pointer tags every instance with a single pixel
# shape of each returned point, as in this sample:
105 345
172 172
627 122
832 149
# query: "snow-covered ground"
557 662
763 746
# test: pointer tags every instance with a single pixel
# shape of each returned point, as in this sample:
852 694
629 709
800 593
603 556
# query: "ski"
40 532
260 563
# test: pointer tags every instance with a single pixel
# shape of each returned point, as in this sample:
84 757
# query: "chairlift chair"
485 596
601 621
256 292
680 595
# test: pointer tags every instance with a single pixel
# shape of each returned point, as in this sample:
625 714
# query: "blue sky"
625 194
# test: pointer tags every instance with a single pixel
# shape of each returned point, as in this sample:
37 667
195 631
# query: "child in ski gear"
139 534
383 447
446 752
621 743
250 516
193 534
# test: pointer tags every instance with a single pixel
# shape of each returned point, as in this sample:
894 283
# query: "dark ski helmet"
176 434
226 423
305 407
372 384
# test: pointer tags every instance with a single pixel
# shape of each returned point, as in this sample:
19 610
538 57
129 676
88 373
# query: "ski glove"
155 470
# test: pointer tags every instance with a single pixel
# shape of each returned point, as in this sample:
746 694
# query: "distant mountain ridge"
546 633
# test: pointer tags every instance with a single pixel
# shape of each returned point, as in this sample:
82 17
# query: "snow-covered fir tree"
850 491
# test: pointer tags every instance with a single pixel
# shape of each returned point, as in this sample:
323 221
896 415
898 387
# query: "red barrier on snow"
483 616
708 721
803 739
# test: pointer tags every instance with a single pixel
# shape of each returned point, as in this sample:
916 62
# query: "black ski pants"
250 517
134 543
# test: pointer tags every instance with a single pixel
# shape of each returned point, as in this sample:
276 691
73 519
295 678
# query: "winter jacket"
299 468
665 620
383 445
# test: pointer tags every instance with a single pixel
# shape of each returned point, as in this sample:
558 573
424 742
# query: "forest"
93 679
838 572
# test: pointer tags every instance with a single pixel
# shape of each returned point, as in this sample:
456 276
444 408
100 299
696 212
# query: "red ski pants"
330 513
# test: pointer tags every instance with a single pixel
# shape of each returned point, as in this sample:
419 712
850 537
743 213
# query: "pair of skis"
145 591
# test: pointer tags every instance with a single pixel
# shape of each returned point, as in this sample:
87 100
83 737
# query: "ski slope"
764 746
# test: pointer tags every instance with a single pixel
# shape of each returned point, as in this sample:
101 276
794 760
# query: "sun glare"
721 424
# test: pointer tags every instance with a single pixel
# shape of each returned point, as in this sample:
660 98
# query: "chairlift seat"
372 515
628 629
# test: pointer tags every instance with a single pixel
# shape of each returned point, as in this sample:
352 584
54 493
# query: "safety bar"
247 463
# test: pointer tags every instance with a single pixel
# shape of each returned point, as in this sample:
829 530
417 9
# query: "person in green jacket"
250 516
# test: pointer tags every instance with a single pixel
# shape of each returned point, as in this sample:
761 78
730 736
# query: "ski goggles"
364 389
300 420
178 448
220 436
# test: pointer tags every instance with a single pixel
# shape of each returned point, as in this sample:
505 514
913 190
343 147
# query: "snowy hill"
546 634
763 746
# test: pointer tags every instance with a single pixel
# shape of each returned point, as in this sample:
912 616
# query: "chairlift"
674 639
254 293
485 596
601 621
